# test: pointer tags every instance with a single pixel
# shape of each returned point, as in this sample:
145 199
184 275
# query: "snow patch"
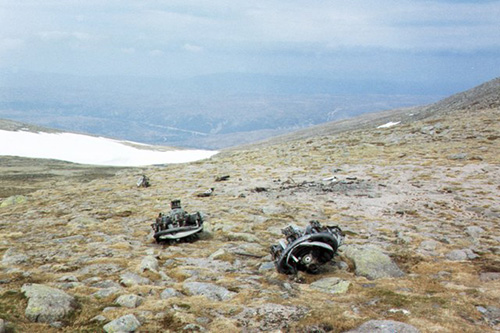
389 124
86 149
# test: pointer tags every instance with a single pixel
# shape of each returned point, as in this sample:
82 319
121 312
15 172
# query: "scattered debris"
177 225
143 181
222 178
259 189
306 250
207 193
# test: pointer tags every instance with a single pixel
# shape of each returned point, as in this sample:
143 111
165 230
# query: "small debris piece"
143 181
207 193
222 178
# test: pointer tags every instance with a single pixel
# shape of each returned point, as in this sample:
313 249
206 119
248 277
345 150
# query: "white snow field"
389 124
86 149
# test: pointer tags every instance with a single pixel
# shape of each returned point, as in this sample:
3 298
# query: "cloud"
192 48
156 53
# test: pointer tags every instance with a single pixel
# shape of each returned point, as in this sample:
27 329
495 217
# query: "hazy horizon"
426 42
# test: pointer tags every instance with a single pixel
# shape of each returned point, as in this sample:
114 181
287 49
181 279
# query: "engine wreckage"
178 225
306 250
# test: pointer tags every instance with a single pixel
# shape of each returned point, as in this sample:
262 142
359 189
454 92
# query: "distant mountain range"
212 111
208 112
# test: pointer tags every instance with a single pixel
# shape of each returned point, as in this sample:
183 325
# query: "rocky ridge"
418 202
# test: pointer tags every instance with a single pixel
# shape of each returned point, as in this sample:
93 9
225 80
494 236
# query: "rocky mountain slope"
484 96
418 202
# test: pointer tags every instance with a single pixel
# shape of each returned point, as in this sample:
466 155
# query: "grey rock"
342 265
127 323
490 313
194 328
11 257
456 255
242 236
47 304
474 231
218 254
2 326
270 317
68 278
371 262
106 292
385 326
149 263
98 319
100 269
460 156
129 301
332 285
209 290
460 255
169 292
267 266
129 279
489 276
106 284
429 245
470 254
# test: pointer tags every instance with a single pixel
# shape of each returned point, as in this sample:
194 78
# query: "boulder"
129 301
209 290
47 304
149 263
11 257
129 279
127 323
371 262
270 317
332 285
169 292
384 326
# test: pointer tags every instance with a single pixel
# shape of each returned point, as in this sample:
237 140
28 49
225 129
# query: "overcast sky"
441 41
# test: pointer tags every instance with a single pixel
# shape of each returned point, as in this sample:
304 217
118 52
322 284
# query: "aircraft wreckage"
306 250
177 225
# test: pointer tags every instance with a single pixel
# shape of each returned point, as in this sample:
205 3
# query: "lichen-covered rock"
13 200
47 304
169 292
129 279
127 323
149 263
371 262
11 257
129 301
209 290
332 285
384 326
270 317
